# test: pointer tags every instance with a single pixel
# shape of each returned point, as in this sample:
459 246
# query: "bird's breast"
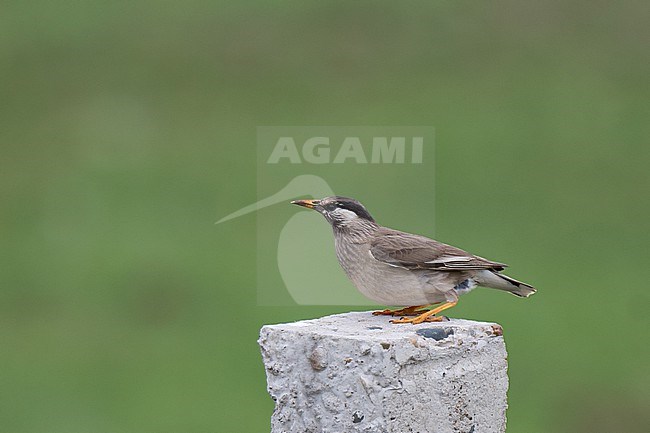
387 284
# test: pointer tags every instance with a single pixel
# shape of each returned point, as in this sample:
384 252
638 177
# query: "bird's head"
338 211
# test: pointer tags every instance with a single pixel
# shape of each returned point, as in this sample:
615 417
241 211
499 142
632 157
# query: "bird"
396 268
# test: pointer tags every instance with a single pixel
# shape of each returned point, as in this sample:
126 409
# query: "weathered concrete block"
356 372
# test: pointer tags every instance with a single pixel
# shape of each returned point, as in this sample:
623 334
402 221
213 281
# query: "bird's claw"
383 313
419 319
408 311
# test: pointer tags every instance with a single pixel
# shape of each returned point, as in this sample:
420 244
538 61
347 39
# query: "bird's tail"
499 281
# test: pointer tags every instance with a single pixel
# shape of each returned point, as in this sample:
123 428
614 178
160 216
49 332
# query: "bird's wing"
409 251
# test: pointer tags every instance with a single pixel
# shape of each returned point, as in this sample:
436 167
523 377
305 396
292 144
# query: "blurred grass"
128 128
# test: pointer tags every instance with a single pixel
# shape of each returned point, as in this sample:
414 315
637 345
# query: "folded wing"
412 252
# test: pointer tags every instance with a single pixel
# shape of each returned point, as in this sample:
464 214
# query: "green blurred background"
128 128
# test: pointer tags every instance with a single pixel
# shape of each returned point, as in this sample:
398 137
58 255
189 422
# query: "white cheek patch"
344 215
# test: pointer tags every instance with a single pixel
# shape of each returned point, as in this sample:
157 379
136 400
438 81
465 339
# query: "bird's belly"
390 285
395 286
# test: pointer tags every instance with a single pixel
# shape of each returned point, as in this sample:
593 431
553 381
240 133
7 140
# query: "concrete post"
356 372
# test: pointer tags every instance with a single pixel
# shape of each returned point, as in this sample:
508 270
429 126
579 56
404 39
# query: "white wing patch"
449 259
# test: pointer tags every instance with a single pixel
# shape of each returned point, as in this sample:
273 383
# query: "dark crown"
351 205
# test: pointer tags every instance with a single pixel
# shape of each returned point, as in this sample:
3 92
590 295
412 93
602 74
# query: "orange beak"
306 203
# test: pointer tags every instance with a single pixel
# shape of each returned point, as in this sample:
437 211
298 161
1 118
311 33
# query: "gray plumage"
397 268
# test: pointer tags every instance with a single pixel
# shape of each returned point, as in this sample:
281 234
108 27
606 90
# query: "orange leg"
406 311
427 316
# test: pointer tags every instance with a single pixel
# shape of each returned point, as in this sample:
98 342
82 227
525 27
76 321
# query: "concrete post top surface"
362 325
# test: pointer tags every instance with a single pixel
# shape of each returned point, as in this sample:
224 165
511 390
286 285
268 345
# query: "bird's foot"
427 316
414 320
408 311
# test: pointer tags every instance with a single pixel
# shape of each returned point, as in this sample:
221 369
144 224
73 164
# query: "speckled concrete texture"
356 372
